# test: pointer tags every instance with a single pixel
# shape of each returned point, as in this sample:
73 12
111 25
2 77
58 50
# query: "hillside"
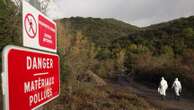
99 31
168 31
164 49
112 65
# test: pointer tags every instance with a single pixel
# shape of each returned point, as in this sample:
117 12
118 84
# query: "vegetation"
94 52
10 24
161 50
100 31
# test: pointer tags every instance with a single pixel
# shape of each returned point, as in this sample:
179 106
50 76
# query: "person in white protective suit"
177 88
163 87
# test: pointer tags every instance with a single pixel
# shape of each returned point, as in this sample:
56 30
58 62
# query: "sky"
136 12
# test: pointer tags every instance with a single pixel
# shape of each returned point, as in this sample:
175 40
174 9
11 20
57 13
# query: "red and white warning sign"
30 78
39 31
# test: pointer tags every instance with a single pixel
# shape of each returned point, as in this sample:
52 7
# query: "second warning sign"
39 31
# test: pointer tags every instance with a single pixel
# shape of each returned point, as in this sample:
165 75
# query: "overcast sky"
136 12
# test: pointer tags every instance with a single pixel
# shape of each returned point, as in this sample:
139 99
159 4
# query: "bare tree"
18 3
44 5
41 5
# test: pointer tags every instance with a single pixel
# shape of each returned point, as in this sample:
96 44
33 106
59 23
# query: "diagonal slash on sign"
31 25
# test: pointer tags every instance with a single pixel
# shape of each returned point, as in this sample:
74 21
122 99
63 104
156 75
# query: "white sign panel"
39 31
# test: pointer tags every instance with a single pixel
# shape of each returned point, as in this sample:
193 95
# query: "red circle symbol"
30 25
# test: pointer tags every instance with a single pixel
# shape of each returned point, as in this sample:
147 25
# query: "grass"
87 96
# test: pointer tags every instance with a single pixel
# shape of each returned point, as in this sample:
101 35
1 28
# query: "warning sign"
47 32
30 78
30 25
39 31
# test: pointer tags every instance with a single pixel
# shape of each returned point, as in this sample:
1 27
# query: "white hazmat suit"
177 87
163 87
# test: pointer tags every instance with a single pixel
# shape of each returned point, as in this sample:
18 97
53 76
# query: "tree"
188 32
10 30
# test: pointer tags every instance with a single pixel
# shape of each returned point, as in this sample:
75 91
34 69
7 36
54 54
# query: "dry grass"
87 96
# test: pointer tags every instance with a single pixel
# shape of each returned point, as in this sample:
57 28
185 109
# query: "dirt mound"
89 76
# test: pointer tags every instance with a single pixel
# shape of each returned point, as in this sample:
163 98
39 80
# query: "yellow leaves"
79 53
132 46
120 58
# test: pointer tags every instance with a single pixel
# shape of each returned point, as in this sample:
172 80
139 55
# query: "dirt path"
151 95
